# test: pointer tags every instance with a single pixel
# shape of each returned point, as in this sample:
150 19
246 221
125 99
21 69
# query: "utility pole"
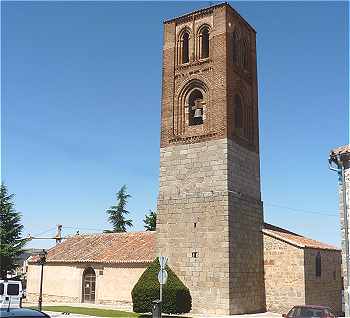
42 260
340 157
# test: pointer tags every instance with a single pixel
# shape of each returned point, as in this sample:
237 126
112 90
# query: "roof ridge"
312 242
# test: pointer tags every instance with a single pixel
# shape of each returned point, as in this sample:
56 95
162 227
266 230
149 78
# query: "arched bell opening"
195 104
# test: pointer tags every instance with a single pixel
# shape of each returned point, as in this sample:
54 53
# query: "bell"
198 113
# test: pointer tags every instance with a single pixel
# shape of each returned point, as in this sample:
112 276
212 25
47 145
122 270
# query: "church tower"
210 213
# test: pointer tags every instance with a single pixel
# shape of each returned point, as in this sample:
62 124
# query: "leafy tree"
150 221
116 213
11 241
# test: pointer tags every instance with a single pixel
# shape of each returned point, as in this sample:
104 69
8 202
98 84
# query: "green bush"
176 296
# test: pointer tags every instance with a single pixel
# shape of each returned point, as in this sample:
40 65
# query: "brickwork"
326 289
209 207
217 76
284 275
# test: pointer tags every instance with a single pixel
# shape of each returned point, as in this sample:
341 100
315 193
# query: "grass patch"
98 312
90 311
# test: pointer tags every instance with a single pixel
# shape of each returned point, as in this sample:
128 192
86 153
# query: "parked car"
10 293
22 313
310 311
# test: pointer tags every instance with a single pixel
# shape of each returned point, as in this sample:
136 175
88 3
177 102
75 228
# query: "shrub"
176 296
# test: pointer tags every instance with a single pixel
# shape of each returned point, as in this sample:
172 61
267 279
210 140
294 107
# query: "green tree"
176 296
150 221
11 241
117 213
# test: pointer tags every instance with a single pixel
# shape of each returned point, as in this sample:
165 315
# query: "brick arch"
199 40
182 103
180 45
247 130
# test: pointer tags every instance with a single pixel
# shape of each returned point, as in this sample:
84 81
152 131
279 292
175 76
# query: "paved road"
54 314
263 315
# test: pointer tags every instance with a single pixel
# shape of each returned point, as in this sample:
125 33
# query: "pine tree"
116 213
150 221
11 242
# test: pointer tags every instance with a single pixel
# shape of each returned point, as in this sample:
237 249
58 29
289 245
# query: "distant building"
103 269
22 265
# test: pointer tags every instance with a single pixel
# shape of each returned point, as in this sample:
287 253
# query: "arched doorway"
89 285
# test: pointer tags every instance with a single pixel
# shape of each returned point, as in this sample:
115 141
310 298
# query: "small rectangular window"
194 254
12 289
318 265
1 288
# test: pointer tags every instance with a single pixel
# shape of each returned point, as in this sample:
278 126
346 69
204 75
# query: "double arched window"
187 48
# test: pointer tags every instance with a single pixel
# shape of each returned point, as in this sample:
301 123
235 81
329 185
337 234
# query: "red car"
309 311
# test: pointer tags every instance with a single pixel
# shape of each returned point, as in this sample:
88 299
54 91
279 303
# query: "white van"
10 294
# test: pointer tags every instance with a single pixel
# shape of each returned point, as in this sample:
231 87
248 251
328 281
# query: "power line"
300 210
44 232
82 228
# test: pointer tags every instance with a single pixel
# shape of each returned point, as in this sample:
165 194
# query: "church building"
210 220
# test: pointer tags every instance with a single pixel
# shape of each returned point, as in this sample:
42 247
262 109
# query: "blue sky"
80 109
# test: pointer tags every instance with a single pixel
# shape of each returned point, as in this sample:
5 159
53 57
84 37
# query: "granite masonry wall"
326 289
212 234
341 212
284 275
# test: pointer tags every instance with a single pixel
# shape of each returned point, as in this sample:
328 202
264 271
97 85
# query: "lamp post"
42 260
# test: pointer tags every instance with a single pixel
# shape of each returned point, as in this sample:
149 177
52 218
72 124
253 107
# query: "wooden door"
89 285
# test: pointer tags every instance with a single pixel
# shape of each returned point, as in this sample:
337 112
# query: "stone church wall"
247 290
284 275
326 289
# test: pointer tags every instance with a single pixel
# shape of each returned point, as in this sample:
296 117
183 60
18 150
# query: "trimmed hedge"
176 296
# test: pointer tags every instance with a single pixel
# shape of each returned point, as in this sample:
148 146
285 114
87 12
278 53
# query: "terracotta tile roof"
295 239
132 247
341 150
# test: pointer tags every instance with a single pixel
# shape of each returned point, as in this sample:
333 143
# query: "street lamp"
41 261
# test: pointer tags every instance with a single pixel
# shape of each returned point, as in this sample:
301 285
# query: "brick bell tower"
210 212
